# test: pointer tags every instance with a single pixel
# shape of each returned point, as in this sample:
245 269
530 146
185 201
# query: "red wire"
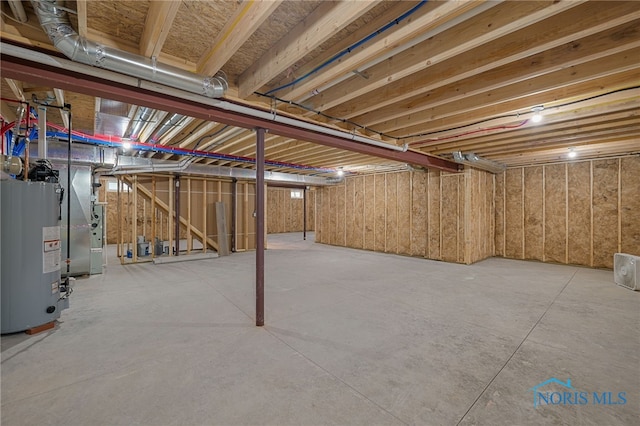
470 133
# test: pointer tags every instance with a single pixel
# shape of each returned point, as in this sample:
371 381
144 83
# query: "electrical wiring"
438 140
418 135
202 123
352 47
212 135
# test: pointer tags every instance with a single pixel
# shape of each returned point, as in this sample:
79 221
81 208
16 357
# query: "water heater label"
50 249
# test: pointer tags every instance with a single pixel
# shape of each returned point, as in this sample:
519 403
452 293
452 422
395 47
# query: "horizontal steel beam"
54 74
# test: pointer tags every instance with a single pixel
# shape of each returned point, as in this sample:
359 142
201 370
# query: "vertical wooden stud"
189 235
591 211
619 205
246 215
204 215
170 217
134 218
566 212
153 217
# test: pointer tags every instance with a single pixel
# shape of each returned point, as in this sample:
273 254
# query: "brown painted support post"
260 189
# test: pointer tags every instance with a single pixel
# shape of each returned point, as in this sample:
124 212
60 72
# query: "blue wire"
352 47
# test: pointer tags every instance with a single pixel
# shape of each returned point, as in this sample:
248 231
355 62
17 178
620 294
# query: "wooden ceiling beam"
81 8
431 16
590 78
171 134
495 23
245 21
530 69
395 9
157 26
533 131
60 101
615 102
315 29
16 89
611 136
597 150
589 19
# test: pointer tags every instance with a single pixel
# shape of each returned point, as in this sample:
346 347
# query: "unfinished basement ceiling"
442 77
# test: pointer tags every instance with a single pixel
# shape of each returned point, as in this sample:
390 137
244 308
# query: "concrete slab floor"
351 337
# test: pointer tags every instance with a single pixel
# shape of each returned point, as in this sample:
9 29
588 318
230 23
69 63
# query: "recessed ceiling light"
572 153
537 116
340 171
126 145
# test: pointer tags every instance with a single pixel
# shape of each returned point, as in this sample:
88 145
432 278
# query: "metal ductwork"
143 115
169 124
56 24
478 162
126 165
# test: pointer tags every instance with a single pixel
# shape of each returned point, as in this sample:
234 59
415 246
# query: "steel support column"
260 226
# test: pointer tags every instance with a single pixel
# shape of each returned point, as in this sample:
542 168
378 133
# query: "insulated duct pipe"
56 24
143 115
172 122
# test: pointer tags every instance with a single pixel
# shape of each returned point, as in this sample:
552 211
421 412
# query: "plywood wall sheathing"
630 205
579 208
434 208
499 218
391 206
339 205
419 214
533 212
404 213
358 212
349 211
369 212
555 223
379 209
449 220
514 214
605 212
590 210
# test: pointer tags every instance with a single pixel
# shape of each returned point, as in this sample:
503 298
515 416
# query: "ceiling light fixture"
572 153
537 116
126 145
340 171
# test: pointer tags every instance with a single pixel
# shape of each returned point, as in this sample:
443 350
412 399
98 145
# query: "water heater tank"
29 254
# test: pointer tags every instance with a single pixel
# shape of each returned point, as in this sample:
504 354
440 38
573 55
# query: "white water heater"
30 249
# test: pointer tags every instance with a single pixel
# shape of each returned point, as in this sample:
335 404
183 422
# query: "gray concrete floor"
352 337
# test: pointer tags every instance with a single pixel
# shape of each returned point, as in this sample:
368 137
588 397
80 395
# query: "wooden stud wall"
197 208
284 214
578 212
400 213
